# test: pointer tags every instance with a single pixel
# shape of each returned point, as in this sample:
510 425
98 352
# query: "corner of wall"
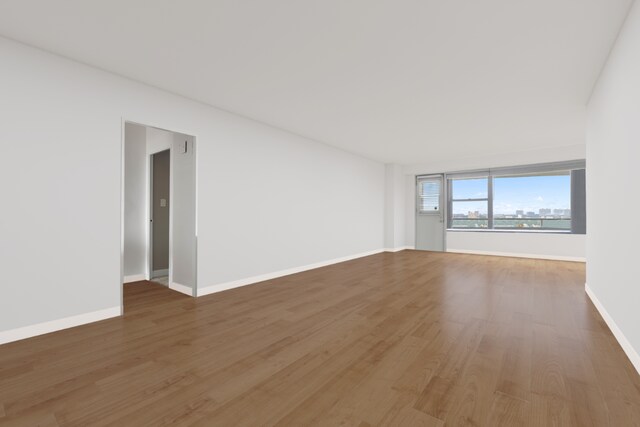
394 207
631 353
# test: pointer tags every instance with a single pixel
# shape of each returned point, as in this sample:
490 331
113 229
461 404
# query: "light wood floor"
404 339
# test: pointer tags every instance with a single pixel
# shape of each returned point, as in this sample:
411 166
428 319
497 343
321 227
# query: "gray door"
430 223
160 185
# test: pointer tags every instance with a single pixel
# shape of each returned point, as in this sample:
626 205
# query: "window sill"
493 230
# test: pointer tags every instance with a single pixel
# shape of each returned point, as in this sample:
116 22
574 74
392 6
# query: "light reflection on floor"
163 280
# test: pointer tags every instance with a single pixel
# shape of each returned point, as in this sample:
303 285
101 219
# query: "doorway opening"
159 224
160 177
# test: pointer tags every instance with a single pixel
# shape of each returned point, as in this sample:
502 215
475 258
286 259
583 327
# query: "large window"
532 202
539 197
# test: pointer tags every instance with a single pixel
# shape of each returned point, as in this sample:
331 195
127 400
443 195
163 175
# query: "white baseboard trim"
398 249
181 288
57 325
134 278
631 353
268 276
160 273
518 255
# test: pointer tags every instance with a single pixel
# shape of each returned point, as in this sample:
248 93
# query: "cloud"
540 199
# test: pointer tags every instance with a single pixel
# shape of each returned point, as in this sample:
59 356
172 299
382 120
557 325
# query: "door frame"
173 129
444 211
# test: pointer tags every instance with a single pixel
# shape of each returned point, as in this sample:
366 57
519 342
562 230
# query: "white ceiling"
404 81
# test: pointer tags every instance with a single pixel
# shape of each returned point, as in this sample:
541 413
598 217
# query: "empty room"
319 213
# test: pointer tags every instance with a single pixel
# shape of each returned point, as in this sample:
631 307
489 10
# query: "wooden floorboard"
395 339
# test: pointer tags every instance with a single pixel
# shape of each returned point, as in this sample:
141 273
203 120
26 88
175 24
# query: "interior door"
430 221
160 189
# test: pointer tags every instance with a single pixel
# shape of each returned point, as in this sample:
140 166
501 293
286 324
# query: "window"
538 197
532 202
429 189
470 203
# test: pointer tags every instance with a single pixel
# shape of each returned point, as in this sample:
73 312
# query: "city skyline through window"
526 201
538 194
512 194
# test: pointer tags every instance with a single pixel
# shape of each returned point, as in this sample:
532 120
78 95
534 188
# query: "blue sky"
517 193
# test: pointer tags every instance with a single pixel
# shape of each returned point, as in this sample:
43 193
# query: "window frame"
488 199
546 229
490 175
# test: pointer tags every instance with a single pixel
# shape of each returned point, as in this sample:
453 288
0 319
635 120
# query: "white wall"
158 140
613 152
135 206
183 211
552 246
394 229
268 200
569 247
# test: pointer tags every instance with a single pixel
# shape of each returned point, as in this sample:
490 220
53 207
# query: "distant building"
566 213
544 212
531 214
519 213
474 214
